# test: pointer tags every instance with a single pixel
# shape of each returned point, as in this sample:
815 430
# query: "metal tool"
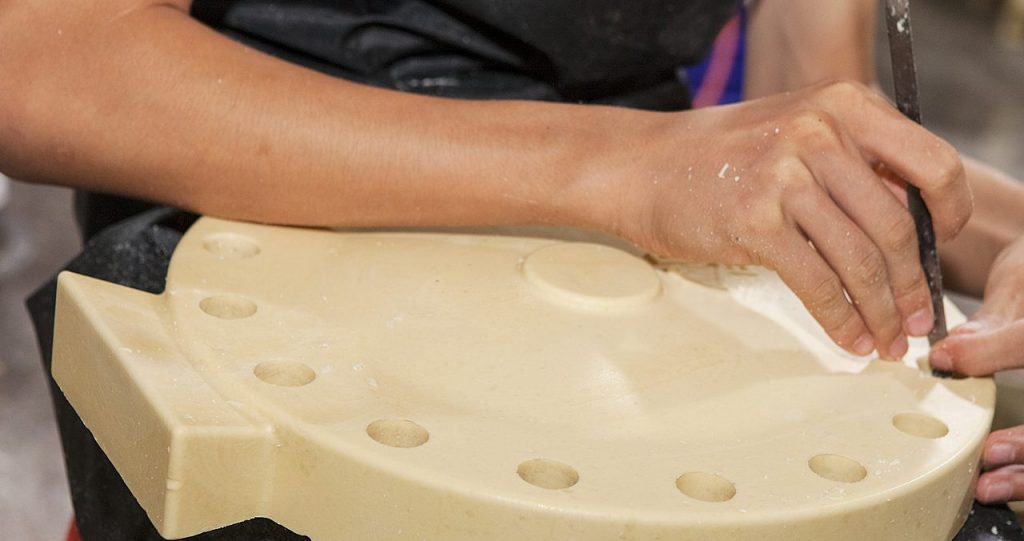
904 74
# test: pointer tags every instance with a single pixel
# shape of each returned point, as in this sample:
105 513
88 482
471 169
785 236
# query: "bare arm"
794 43
136 98
997 222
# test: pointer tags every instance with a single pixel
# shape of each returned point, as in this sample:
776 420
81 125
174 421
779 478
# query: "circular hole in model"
228 306
546 473
837 468
397 433
920 425
285 373
231 246
706 487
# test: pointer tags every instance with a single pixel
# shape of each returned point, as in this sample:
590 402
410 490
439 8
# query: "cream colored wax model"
456 387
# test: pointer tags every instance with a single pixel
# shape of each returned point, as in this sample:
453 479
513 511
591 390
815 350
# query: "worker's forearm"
997 221
154 105
795 43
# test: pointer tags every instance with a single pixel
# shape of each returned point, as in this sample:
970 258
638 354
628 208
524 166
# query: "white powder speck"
721 174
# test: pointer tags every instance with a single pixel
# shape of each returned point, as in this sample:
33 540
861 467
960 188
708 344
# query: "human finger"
921 158
1005 484
1003 448
858 263
866 198
804 270
993 347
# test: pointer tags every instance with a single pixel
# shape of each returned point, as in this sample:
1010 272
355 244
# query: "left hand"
1003 462
992 341
994 338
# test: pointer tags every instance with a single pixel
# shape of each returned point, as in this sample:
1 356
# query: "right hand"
791 182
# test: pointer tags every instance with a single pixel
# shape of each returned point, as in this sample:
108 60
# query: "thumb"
981 348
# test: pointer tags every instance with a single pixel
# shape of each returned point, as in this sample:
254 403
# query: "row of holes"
546 473
540 472
708 487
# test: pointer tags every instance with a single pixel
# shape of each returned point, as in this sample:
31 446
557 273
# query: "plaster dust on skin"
476 380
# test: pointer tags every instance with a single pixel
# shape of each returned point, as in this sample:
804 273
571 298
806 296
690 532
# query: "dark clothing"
564 49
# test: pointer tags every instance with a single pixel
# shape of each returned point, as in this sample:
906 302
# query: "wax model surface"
456 387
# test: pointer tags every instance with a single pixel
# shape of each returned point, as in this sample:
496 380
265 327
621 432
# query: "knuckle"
844 89
914 288
800 191
947 161
789 171
826 301
763 220
870 270
908 280
901 235
813 125
951 184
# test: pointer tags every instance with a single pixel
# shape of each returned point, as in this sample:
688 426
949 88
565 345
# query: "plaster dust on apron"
461 386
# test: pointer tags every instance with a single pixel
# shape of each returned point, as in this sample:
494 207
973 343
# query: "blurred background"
970 56
970 64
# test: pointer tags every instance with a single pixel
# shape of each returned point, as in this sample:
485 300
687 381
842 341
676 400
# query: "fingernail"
969 327
899 347
997 492
1000 454
864 345
940 360
975 326
920 323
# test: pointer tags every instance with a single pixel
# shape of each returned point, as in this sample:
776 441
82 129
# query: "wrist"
612 185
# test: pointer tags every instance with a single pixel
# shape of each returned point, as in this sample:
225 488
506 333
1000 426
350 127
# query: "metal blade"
904 73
